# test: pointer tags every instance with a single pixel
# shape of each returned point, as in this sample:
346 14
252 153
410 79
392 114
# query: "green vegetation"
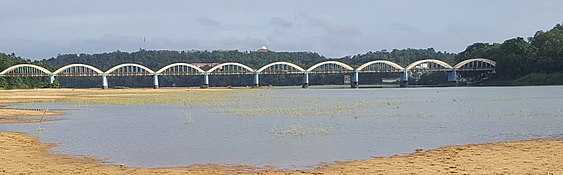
540 79
20 82
532 61
537 60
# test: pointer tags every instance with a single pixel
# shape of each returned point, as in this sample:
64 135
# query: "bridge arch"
94 69
280 63
36 67
113 69
416 63
392 64
220 66
345 66
465 62
161 70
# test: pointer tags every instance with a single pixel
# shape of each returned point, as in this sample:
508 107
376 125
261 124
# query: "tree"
515 58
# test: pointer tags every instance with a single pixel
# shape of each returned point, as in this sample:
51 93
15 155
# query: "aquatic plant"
299 130
189 118
41 120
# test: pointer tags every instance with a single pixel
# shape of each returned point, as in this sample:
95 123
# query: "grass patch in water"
299 130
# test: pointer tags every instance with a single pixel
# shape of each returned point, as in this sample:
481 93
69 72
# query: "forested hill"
159 59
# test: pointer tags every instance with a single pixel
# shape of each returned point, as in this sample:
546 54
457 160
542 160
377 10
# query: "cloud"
280 23
333 26
209 22
402 27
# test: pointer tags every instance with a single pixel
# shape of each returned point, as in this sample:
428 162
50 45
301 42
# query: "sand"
24 154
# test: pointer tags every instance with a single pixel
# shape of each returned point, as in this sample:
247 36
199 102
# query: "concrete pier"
355 80
256 79
404 78
51 79
104 81
305 80
155 81
452 77
206 79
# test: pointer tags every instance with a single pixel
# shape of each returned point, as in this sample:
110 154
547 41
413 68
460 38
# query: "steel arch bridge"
233 68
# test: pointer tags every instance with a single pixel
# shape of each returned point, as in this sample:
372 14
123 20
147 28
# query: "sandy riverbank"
24 154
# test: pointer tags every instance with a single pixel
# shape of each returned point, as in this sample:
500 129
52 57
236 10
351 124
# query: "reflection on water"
300 128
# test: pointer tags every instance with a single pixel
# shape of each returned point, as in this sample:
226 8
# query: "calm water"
301 128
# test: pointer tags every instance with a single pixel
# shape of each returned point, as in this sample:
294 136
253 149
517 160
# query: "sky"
40 29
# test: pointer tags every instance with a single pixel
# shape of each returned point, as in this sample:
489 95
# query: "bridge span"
232 68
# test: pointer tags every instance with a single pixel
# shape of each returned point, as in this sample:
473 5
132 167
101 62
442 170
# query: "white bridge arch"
223 65
139 71
300 69
82 72
163 69
438 62
345 66
465 62
392 64
31 70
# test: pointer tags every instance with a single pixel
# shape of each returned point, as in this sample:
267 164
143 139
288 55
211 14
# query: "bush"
540 79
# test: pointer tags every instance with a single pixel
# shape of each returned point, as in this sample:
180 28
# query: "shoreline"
22 153
25 154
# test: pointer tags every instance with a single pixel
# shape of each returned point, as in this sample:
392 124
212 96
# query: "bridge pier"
452 77
355 80
206 79
155 81
305 80
404 78
256 79
51 78
104 81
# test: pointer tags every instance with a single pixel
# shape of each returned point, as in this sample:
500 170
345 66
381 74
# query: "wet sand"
24 154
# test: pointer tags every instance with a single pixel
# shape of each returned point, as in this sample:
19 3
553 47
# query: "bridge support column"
155 81
51 78
104 81
355 80
305 80
256 79
404 78
452 77
206 79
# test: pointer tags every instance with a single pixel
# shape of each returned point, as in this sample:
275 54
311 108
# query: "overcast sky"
39 29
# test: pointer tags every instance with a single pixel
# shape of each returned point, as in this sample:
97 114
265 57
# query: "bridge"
232 68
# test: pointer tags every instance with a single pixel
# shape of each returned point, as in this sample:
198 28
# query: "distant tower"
263 49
